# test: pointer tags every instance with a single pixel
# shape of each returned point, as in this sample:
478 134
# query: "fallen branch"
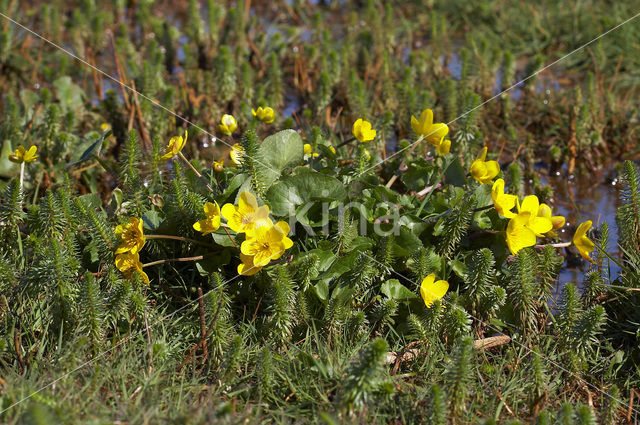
479 344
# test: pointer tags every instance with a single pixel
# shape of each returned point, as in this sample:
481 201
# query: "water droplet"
545 101
530 181
205 145
548 91
146 183
36 86
295 49
557 173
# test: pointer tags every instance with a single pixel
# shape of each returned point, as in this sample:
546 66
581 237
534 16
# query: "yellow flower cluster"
266 115
434 133
265 241
533 220
132 240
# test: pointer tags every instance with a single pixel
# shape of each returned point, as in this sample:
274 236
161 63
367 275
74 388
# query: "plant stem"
435 185
196 172
401 166
170 260
555 245
230 238
21 175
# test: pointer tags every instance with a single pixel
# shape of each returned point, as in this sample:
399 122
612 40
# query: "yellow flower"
432 290
444 147
503 202
332 149
433 132
247 268
21 155
518 234
484 171
266 115
308 151
267 243
557 221
244 217
228 124
366 155
212 222
363 131
538 224
218 166
105 126
237 154
174 147
582 242
128 263
131 236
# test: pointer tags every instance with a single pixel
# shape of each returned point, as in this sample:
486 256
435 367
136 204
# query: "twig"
169 260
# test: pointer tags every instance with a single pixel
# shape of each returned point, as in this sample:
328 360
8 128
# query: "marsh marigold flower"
174 147
518 234
237 154
247 268
557 221
244 217
21 155
267 243
129 263
218 166
433 132
582 242
444 147
432 290
266 115
105 126
503 202
131 236
484 171
228 125
538 224
212 221
362 131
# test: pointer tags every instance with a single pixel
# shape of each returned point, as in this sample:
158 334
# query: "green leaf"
70 95
89 152
212 262
322 290
299 189
456 174
279 152
406 242
393 289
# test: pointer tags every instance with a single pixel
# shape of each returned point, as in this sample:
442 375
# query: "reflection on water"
591 196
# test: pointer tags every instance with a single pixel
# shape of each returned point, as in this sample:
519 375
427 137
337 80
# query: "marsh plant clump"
290 212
